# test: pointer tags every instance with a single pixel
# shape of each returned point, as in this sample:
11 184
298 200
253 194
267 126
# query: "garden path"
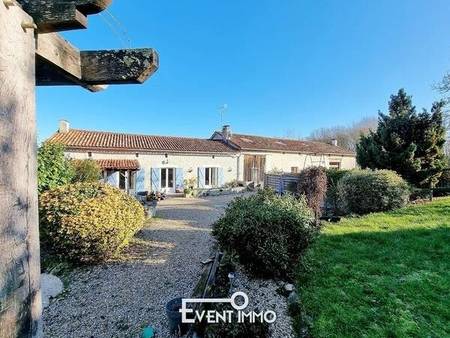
119 298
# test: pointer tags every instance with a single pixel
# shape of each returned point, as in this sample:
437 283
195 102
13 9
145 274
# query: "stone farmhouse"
137 163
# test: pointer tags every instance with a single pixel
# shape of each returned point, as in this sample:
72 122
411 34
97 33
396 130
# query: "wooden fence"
282 183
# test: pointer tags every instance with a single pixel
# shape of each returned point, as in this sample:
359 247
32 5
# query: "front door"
168 180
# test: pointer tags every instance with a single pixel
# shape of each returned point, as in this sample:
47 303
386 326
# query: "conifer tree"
409 143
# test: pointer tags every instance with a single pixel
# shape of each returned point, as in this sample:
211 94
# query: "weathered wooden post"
20 305
28 58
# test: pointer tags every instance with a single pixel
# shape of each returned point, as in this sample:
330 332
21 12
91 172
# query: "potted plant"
189 187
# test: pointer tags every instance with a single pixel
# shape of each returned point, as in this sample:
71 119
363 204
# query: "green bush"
332 198
86 171
267 232
54 169
87 222
365 191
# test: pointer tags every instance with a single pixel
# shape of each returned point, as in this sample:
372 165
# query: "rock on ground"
51 286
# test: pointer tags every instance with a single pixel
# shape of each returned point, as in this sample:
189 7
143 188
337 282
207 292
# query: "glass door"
168 180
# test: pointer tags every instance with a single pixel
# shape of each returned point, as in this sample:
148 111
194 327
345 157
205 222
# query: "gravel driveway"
118 299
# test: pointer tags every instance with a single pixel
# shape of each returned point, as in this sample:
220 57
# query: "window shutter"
156 179
113 179
220 178
201 178
179 179
140 180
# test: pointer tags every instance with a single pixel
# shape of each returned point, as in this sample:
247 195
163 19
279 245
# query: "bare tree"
443 87
346 136
291 134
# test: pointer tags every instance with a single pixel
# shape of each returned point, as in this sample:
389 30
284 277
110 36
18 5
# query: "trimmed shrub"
365 191
87 222
268 233
332 198
86 171
313 184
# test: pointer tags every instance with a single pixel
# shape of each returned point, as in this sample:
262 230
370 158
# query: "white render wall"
188 162
232 164
284 162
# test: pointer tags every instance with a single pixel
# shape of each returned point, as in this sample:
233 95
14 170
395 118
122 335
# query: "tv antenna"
222 110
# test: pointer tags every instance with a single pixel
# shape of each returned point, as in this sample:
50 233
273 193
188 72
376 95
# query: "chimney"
226 132
334 142
64 126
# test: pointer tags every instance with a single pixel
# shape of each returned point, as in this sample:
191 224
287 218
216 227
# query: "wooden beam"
88 7
54 50
118 66
51 16
59 15
60 63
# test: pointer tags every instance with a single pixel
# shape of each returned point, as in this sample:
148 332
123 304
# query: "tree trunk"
20 299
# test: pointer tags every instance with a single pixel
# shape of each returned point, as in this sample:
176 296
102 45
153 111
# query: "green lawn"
381 275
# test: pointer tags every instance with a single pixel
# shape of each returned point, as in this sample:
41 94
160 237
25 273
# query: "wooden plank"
57 52
20 300
118 66
60 63
51 16
248 165
60 15
47 75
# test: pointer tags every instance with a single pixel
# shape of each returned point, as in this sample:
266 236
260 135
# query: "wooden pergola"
32 53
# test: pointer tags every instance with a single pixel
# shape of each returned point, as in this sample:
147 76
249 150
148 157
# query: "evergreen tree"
412 144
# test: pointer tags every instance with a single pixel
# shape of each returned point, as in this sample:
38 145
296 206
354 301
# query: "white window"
335 165
211 177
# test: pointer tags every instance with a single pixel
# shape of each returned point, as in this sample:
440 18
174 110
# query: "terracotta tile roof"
255 143
95 140
118 164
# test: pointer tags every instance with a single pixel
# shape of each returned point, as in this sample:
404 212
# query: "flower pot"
174 316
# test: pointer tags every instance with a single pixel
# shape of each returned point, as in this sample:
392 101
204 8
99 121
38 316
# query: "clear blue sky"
281 66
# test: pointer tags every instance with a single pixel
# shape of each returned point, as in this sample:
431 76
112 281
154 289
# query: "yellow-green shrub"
88 221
